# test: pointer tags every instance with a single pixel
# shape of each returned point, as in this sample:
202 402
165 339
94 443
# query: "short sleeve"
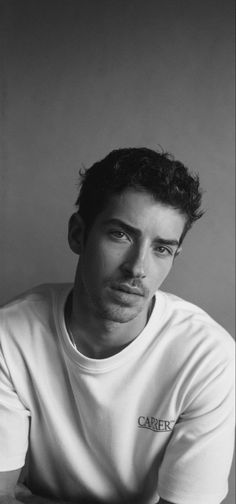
14 423
198 458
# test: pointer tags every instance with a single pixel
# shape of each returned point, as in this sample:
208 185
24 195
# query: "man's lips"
129 289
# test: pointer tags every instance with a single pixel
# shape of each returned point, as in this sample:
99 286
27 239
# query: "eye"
163 251
118 235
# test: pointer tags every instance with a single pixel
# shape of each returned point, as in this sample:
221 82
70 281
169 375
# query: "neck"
96 337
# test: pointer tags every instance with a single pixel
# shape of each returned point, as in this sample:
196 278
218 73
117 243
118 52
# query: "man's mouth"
129 289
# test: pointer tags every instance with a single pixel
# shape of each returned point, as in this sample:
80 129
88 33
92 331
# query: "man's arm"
11 493
165 502
8 482
8 485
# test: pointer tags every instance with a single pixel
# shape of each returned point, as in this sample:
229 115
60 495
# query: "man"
116 391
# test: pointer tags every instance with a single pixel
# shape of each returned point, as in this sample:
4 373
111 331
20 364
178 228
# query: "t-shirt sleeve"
197 460
14 423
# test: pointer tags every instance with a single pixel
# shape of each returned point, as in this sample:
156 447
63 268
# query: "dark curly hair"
157 173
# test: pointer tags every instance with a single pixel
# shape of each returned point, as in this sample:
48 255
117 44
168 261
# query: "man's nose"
136 262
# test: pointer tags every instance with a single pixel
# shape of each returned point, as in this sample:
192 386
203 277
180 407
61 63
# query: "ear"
76 230
178 251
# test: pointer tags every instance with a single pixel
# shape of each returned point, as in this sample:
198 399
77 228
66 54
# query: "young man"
116 391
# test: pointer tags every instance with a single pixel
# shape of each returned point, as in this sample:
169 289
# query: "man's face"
127 254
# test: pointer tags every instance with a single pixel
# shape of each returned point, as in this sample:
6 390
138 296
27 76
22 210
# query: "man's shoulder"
34 295
31 305
196 327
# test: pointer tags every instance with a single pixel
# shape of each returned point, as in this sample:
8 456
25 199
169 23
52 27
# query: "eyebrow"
137 232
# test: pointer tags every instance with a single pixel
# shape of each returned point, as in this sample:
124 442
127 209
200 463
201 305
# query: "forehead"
140 210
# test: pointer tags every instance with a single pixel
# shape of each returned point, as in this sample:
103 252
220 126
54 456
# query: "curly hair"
158 173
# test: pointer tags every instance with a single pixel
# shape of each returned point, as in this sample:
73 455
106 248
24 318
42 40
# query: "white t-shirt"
154 420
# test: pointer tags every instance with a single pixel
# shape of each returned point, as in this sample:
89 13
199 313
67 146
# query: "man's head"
157 173
135 207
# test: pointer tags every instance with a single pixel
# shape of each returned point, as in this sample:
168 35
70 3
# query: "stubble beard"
117 314
103 307
106 309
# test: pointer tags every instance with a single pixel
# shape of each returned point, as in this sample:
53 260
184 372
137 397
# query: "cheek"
100 262
109 255
108 264
161 271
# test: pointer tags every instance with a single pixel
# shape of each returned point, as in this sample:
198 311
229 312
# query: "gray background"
80 77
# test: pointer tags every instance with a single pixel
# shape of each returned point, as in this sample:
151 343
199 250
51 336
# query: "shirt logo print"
155 424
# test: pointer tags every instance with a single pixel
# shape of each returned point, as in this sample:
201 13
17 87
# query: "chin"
120 315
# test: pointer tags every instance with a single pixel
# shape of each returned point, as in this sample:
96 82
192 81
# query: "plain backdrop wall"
81 77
